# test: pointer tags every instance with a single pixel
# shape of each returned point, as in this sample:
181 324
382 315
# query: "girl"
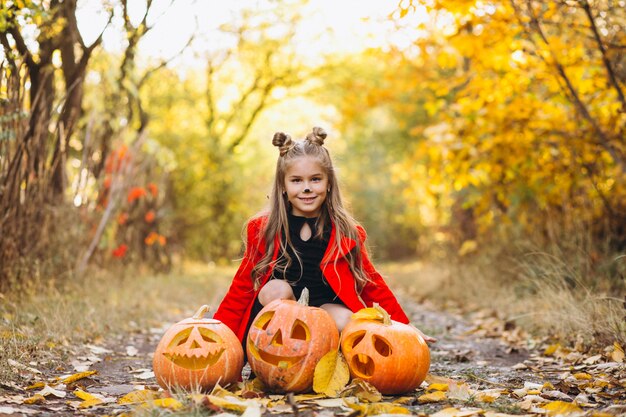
306 240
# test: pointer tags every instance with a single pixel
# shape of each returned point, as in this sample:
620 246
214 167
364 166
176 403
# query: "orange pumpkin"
391 356
285 342
197 353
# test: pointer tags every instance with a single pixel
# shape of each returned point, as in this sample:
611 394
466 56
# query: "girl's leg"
341 314
275 289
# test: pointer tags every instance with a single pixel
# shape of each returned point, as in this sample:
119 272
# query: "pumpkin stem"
386 316
304 297
201 312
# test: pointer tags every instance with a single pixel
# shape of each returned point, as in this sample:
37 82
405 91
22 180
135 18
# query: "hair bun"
317 136
283 142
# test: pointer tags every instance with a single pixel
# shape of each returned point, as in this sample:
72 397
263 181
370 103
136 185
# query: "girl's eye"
317 179
295 180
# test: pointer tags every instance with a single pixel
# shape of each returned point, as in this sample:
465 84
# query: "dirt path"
472 373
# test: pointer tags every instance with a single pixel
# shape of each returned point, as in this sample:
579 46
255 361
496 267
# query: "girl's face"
306 184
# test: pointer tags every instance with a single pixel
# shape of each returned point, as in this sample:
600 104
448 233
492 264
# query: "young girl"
306 240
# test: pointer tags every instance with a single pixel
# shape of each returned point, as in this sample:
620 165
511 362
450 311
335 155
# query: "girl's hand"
427 339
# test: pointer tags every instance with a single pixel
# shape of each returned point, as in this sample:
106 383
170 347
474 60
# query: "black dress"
306 272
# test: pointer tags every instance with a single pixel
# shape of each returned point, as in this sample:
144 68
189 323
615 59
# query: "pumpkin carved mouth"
195 361
282 362
362 365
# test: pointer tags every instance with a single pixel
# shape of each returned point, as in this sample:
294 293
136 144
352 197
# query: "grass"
570 295
40 328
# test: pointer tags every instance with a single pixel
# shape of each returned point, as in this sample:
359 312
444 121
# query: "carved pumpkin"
197 353
285 342
391 356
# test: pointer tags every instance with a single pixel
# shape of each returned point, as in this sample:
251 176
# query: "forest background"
482 138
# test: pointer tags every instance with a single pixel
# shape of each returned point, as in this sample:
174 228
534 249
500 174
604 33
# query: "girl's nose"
307 190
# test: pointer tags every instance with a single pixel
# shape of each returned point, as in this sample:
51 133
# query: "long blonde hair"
332 210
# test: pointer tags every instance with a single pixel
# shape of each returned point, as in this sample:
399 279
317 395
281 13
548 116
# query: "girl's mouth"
307 199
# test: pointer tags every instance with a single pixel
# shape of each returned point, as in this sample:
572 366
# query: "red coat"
234 310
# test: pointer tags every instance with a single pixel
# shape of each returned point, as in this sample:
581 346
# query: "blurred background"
484 139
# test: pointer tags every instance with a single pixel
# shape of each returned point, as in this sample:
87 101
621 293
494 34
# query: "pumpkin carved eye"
264 321
354 339
300 330
382 346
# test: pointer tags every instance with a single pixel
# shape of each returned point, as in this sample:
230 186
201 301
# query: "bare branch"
605 58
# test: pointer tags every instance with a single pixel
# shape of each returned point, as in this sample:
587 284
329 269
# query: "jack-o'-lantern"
197 353
285 342
391 356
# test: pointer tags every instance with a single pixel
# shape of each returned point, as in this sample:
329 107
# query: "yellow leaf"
76 377
618 353
36 385
229 403
331 374
378 408
369 313
172 403
90 403
432 397
89 400
582 375
550 350
35 399
561 407
438 386
138 396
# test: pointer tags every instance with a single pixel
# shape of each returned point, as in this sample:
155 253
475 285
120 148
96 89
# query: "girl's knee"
275 289
340 314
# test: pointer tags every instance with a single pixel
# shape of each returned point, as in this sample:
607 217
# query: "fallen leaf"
378 408
369 313
171 403
18 411
556 395
455 412
15 364
363 390
560 408
331 374
78 376
131 351
138 396
145 375
460 392
330 402
48 390
35 399
437 386
618 353
432 397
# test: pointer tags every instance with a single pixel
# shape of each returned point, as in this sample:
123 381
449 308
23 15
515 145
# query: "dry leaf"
432 397
561 408
460 391
618 353
138 396
76 377
22 367
369 313
437 386
35 399
363 390
378 408
48 390
455 412
331 374
171 403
